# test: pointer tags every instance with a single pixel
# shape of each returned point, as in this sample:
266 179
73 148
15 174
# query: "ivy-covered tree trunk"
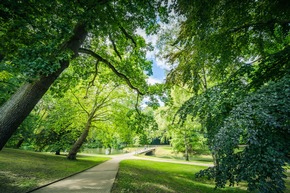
18 107
78 144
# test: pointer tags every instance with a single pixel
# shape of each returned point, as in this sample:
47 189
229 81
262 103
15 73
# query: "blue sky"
158 72
159 65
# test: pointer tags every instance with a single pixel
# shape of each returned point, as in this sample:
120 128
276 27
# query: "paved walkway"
99 179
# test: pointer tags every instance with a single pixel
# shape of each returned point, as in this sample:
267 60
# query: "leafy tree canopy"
228 53
40 39
35 35
262 121
217 38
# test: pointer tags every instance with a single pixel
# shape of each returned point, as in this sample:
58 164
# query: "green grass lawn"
21 170
166 152
149 176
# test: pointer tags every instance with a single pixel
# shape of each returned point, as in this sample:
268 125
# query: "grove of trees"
73 73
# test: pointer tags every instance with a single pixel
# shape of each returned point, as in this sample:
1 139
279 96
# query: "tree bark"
78 144
19 143
18 107
186 148
57 152
215 160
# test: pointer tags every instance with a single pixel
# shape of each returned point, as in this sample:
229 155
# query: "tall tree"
227 52
95 107
217 38
40 39
183 137
59 126
265 132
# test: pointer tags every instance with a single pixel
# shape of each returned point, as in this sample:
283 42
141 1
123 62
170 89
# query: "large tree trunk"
18 107
78 144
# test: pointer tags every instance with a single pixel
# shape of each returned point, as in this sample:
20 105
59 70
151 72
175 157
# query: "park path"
99 179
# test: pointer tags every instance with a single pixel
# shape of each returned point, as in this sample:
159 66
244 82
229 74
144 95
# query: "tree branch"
115 47
121 27
103 102
258 24
81 104
104 119
103 113
91 83
136 105
121 75
127 35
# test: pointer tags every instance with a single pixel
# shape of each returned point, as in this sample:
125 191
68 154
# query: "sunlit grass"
166 152
21 171
148 176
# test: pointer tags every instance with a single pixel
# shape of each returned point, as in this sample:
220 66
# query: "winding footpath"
99 179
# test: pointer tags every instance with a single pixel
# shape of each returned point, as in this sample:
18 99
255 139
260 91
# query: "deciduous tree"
228 51
41 39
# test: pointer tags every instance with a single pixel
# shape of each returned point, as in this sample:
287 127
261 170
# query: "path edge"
30 191
116 176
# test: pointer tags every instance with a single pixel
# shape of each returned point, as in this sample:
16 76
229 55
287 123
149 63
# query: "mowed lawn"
21 171
159 177
166 152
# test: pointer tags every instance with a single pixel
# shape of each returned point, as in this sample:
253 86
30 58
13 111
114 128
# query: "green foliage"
262 120
31 33
211 107
25 135
158 92
59 127
108 102
143 124
9 81
35 36
217 38
228 52
183 137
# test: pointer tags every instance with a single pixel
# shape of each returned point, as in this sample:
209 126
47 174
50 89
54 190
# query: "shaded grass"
21 171
148 176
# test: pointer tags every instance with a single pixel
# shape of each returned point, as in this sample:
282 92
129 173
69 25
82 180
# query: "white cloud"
163 64
152 55
152 80
148 38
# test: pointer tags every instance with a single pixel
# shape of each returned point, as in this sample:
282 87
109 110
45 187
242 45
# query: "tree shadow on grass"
12 183
141 178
